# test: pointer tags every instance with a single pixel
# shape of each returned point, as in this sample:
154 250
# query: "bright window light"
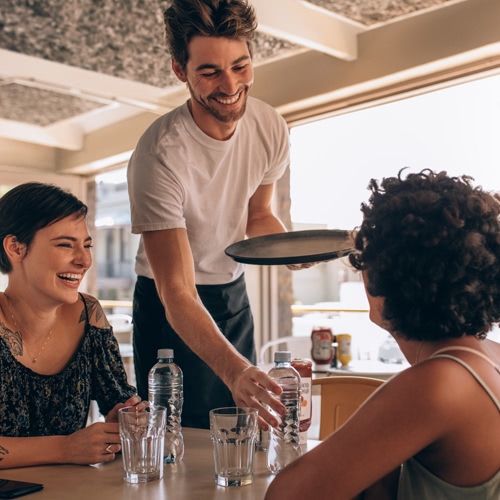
332 160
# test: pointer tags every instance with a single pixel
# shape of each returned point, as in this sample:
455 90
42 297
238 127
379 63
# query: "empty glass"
234 432
142 435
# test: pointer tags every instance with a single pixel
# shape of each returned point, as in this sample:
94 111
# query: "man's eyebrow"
214 66
71 238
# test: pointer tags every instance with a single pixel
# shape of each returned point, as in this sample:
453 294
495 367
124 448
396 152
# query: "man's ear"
176 67
15 251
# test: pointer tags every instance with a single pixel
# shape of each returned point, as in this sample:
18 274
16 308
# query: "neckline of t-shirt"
199 136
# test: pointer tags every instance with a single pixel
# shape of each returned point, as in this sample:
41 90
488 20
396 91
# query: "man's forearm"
267 224
193 323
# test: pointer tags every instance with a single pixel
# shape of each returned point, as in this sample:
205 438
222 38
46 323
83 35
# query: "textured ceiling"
375 11
125 39
122 38
40 107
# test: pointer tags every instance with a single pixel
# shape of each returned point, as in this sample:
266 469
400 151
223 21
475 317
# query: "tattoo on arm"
3 451
94 306
14 340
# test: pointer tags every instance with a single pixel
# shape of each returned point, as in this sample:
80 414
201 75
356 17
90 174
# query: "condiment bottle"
344 349
304 367
322 351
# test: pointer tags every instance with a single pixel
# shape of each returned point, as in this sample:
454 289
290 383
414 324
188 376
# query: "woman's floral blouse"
46 405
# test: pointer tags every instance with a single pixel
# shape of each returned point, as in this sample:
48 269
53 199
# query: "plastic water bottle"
165 389
284 443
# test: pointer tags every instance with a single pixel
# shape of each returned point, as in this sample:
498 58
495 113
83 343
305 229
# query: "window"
453 129
115 245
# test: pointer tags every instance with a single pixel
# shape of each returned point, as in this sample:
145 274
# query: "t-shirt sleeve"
109 380
156 195
281 138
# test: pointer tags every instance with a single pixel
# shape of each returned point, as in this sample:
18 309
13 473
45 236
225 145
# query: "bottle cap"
282 356
165 353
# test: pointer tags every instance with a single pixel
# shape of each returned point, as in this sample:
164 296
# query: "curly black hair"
430 245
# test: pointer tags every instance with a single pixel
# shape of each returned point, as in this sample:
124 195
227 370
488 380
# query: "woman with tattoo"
57 350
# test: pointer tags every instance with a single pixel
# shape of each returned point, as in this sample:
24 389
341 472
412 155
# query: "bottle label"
305 397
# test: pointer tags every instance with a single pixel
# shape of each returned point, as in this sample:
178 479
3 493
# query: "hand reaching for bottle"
255 389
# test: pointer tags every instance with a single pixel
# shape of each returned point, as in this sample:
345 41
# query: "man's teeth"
229 101
70 277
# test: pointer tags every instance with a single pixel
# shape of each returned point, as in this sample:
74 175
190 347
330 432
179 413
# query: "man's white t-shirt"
179 177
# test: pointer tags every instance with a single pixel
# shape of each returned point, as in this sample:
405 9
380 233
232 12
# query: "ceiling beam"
41 73
308 25
63 135
105 147
20 155
417 45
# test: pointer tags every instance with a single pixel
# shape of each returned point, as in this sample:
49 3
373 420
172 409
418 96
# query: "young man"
202 177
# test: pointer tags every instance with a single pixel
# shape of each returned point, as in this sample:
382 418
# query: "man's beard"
225 116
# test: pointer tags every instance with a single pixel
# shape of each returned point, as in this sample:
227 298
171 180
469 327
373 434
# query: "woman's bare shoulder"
94 310
433 384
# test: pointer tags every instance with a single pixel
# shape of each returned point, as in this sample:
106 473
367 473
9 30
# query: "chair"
340 398
299 347
122 327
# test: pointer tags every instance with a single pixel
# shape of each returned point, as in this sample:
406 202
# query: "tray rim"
302 259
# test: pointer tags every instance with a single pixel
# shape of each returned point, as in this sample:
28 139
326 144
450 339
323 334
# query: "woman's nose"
84 258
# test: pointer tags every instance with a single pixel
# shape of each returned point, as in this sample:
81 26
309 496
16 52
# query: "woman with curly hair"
429 251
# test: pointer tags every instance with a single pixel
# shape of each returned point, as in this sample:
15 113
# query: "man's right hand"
255 389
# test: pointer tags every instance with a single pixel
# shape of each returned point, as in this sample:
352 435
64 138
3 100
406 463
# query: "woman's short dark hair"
185 19
30 207
430 245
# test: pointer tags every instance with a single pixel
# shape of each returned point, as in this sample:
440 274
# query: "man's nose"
229 84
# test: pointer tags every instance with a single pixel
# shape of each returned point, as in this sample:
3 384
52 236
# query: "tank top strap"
480 381
468 349
85 306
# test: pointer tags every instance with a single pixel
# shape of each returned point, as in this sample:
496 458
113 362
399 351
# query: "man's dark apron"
203 390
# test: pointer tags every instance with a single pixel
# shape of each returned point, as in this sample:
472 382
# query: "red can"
322 349
304 367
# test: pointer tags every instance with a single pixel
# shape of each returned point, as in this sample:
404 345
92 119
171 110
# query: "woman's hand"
96 443
135 400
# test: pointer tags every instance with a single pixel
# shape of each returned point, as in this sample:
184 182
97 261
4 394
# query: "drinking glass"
233 431
142 435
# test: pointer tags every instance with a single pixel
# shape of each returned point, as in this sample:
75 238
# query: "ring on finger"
108 449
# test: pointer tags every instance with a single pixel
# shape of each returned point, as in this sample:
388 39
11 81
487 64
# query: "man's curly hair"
430 245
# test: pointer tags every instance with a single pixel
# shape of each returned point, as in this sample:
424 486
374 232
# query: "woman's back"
466 460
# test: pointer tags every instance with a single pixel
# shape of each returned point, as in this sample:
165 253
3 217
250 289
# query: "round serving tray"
295 247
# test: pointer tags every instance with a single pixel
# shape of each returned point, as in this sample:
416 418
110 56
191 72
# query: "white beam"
18 155
66 137
308 25
57 77
105 147
456 34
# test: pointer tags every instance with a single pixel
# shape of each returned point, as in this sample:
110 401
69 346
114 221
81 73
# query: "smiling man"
201 178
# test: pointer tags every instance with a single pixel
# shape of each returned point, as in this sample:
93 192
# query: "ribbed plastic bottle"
284 442
165 389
